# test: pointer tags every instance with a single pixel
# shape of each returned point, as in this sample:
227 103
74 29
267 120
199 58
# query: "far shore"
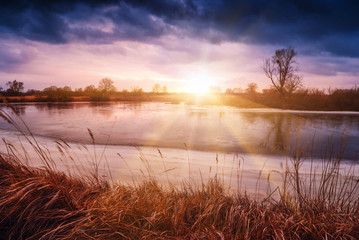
175 98
294 102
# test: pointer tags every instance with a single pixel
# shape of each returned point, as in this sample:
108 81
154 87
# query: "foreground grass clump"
37 203
44 204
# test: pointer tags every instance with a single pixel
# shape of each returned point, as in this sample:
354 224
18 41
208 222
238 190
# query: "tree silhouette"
106 85
136 90
15 87
90 88
282 70
251 88
158 89
164 89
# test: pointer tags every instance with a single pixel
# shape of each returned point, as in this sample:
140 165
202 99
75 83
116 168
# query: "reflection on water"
276 136
202 128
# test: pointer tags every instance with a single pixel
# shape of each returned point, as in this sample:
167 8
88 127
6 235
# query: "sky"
179 44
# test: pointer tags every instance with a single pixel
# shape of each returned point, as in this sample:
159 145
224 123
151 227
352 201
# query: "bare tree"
294 83
229 91
282 70
237 90
67 89
136 90
15 87
251 88
106 85
164 89
90 88
156 88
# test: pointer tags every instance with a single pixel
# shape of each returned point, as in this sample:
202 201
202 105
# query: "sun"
199 84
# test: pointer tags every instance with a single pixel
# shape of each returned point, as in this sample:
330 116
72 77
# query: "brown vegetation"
42 204
303 99
314 99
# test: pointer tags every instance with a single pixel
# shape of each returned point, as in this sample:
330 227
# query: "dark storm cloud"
38 20
315 26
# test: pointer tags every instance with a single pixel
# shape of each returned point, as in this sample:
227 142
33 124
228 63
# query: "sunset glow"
199 84
140 44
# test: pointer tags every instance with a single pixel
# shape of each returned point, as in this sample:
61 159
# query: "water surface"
179 126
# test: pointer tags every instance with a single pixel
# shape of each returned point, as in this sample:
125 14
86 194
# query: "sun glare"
199 84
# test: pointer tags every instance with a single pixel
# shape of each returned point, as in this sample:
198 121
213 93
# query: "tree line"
105 87
302 99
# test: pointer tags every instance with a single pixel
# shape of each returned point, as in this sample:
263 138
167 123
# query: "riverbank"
314 100
45 204
175 98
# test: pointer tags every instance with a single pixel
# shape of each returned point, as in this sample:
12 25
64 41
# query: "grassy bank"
46 204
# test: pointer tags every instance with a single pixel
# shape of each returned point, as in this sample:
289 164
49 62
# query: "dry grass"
207 213
46 204
37 204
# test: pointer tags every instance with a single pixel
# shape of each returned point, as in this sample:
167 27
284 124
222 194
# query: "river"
196 137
